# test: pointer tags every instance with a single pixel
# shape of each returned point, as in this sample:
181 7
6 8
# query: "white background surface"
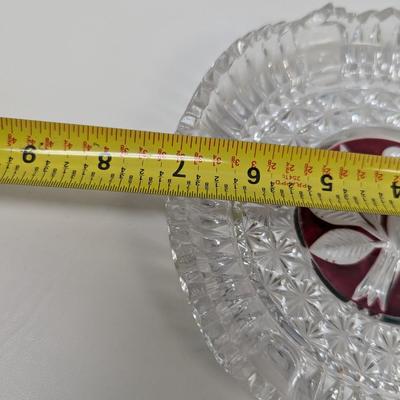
90 306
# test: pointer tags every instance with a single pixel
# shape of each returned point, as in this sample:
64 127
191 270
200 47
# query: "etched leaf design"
393 227
343 148
392 151
347 246
347 218
377 283
375 221
338 217
343 246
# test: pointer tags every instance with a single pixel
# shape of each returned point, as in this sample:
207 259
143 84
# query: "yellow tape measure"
88 157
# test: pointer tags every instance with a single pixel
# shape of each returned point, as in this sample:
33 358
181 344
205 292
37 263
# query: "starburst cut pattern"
340 334
302 299
389 343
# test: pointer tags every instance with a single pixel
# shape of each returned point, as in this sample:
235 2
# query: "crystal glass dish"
301 304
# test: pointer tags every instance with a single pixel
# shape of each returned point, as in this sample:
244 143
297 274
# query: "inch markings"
87 157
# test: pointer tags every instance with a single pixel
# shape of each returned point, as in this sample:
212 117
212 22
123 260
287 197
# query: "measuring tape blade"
88 157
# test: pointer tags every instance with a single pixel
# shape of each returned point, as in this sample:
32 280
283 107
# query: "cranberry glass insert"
357 255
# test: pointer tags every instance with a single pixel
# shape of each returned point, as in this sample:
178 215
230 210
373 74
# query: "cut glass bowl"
301 304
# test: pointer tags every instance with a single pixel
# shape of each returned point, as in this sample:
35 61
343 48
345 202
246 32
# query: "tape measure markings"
79 156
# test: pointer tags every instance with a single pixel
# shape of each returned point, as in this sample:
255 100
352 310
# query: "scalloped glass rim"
264 312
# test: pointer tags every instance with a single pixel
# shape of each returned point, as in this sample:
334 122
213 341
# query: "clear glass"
300 304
